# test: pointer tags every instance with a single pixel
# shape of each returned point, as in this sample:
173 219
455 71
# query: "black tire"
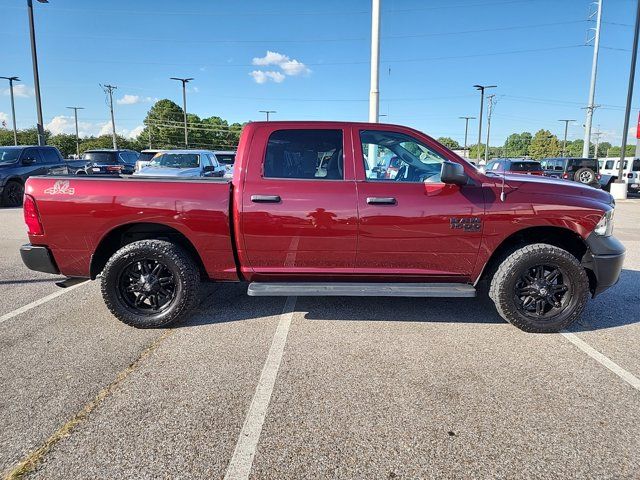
131 299
12 194
585 176
560 284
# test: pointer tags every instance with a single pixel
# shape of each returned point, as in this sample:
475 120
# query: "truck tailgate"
77 213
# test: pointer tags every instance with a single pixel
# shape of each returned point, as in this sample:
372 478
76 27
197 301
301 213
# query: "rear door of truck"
299 215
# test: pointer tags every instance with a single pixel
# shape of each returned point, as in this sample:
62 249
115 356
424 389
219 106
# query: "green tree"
106 141
450 143
66 143
517 144
630 151
544 144
574 148
603 148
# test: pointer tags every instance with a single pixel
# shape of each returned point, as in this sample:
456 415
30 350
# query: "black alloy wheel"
542 291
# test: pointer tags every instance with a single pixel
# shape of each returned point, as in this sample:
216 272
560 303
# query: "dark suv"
19 163
514 165
583 170
108 162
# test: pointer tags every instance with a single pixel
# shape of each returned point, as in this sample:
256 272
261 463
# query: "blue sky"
432 52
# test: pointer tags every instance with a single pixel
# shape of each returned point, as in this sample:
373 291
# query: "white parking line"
29 306
603 360
242 459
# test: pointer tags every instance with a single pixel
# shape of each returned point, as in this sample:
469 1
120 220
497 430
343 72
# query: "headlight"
604 228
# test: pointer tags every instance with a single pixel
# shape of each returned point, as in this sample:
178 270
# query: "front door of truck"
299 214
411 224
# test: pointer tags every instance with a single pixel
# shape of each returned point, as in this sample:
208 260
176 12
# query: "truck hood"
550 186
168 172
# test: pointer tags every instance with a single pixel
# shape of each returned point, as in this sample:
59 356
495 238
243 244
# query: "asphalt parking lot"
314 387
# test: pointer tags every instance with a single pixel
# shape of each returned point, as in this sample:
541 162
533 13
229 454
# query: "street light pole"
184 106
75 114
36 76
13 107
374 93
592 87
482 89
466 129
564 143
619 191
267 112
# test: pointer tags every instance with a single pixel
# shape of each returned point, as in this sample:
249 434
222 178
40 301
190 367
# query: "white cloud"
4 117
136 131
20 90
260 76
105 129
290 67
128 99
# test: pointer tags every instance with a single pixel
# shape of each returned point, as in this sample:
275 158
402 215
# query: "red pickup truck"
311 211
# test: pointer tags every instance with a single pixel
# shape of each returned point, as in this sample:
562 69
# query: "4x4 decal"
467 224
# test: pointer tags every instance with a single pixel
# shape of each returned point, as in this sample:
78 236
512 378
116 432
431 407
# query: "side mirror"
453 173
208 169
28 161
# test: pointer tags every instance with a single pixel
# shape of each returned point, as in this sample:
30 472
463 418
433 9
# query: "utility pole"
108 89
619 188
491 100
597 134
592 88
184 106
13 107
466 130
267 112
75 114
36 76
374 93
482 89
564 143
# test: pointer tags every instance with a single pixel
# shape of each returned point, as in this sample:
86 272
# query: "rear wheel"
540 288
12 194
150 283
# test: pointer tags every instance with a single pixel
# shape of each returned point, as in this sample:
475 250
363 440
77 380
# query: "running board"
348 289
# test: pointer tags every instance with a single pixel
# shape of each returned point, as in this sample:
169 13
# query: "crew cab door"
32 162
54 163
411 224
299 216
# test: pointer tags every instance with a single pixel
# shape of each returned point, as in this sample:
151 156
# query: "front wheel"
540 288
150 283
12 194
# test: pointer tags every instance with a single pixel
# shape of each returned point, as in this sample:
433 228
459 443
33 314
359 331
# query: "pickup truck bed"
330 208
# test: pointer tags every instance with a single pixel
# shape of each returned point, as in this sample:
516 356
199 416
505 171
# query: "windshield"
146 156
226 158
99 157
525 167
9 155
176 160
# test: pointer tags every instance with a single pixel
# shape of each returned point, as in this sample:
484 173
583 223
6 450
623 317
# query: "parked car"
290 223
108 162
514 165
183 163
226 158
583 170
630 169
145 157
19 163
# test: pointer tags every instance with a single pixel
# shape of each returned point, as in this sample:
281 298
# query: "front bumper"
39 259
604 258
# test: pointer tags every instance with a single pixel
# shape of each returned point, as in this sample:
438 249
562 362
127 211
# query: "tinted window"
310 154
50 155
392 156
9 155
636 166
525 167
100 157
176 160
226 158
31 153
577 163
128 157
146 156
608 164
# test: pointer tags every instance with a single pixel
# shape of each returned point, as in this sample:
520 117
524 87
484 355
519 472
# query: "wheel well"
556 236
126 234
16 180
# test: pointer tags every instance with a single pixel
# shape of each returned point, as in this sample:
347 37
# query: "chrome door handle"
265 198
381 201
